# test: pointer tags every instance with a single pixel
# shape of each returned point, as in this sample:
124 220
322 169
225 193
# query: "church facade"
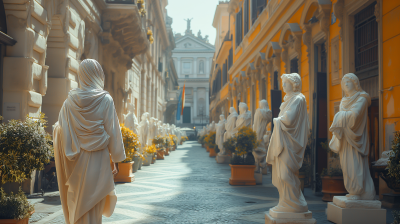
193 57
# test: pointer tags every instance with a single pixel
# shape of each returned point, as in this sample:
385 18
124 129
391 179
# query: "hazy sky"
202 12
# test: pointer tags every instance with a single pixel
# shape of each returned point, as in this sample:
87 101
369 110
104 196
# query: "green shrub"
14 206
25 147
210 139
394 160
230 144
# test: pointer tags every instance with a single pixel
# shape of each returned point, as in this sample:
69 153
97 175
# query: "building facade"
193 57
44 41
321 40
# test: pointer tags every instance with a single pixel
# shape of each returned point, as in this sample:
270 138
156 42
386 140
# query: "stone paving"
188 187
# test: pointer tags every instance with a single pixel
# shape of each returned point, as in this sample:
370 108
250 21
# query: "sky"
202 12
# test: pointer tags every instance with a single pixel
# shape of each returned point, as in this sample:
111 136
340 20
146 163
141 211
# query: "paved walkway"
188 187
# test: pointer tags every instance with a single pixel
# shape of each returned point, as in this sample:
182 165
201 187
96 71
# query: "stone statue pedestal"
224 159
258 177
265 170
272 217
344 211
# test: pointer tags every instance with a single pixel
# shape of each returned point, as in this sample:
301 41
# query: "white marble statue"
262 117
350 139
212 126
179 135
159 128
244 119
144 129
207 129
131 121
152 131
287 146
219 136
86 135
230 124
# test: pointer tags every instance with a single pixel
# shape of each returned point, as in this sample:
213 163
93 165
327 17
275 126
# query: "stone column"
195 104
207 112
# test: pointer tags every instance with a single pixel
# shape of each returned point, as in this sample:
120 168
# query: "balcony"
121 2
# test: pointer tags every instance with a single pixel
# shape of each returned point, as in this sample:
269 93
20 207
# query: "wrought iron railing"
121 2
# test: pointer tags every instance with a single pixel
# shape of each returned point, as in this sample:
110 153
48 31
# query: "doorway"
187 115
320 122
276 99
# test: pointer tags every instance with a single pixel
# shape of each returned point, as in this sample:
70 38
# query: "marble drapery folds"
230 124
262 118
350 139
86 134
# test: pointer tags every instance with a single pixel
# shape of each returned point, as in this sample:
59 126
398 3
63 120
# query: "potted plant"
131 145
148 154
158 141
167 144
15 208
171 143
175 139
210 142
242 162
201 140
332 177
25 147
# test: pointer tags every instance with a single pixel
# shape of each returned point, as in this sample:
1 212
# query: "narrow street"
188 187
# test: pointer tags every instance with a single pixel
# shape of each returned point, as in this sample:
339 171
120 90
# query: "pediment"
192 43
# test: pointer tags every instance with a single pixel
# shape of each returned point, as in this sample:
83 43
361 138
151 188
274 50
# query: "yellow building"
321 40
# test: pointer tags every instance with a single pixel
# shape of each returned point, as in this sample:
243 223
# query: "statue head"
232 110
221 117
131 108
145 116
264 104
291 83
350 84
243 108
152 120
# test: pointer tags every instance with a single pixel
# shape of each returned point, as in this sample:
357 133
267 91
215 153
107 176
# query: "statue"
350 139
212 126
152 130
230 124
244 119
199 35
188 23
86 135
144 130
206 39
262 117
159 128
219 137
131 121
287 147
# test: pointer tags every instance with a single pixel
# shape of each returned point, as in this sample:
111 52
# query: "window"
239 27
246 17
276 85
201 67
186 65
224 73
186 76
257 6
294 68
366 42
230 58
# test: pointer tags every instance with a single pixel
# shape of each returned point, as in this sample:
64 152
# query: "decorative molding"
377 12
335 61
338 9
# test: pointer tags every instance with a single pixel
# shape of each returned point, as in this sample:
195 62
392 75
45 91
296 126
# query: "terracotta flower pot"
166 152
154 158
160 155
125 174
332 186
16 221
212 152
242 175
208 148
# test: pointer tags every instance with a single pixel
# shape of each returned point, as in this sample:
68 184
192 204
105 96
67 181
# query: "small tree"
246 141
210 139
25 147
131 143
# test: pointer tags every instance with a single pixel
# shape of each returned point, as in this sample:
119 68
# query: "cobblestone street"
187 187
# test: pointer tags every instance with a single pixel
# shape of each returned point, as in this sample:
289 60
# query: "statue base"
342 210
272 217
265 170
258 177
225 159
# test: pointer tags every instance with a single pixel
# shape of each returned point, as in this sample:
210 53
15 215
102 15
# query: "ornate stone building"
193 59
321 40
44 41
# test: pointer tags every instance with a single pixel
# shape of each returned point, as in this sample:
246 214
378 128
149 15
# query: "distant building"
193 57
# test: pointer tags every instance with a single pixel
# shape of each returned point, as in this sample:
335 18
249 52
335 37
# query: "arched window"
201 67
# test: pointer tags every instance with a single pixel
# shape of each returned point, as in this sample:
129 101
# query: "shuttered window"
224 73
246 17
257 6
239 27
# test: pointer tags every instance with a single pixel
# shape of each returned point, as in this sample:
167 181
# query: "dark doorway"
276 99
186 115
373 121
320 122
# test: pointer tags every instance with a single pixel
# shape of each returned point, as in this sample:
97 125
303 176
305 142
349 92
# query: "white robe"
86 134
230 126
261 120
219 136
243 120
131 122
350 140
286 151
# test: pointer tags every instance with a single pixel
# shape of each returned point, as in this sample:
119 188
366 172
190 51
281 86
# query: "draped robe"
230 125
243 120
286 152
86 134
350 139
131 122
143 132
219 136
261 119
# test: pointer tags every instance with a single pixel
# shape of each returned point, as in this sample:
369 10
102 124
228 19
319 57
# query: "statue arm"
111 126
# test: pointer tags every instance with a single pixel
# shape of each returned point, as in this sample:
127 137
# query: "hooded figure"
86 134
